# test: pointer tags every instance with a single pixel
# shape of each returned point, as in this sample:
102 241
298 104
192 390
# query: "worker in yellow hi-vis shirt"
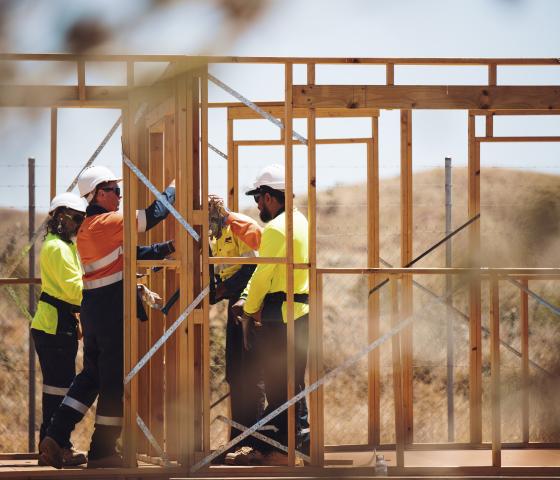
264 304
55 327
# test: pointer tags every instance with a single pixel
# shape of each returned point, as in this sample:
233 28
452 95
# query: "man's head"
268 192
99 186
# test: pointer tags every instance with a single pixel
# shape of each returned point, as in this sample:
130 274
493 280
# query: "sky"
349 28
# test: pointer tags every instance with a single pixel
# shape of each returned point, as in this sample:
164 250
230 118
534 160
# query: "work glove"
152 299
217 213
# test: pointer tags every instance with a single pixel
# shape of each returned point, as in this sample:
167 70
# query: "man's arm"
157 211
272 245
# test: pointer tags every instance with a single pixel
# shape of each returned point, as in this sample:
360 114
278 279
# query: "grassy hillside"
520 223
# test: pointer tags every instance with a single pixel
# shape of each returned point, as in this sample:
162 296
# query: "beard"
265 214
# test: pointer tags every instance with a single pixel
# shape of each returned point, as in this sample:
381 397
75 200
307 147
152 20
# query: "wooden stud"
288 152
156 325
390 74
204 251
492 74
232 192
81 80
172 229
316 434
489 125
54 141
397 374
495 371
238 111
184 368
130 184
374 384
320 423
407 227
143 327
525 382
130 74
475 328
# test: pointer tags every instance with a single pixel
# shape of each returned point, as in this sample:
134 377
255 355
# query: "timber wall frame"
165 134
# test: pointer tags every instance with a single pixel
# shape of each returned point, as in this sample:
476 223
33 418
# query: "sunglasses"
117 190
257 197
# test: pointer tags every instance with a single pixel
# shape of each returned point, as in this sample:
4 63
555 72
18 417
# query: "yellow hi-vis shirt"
272 278
229 245
61 277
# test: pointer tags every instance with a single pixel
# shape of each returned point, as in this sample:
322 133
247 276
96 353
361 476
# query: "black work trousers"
272 352
247 397
57 357
102 375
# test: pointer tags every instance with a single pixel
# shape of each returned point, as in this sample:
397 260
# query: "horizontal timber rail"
19 281
57 57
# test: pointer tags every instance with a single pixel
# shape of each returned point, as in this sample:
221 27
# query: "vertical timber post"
495 370
475 330
524 320
449 301
288 152
130 184
374 431
406 257
32 305
317 436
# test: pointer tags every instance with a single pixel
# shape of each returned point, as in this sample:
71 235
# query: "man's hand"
237 308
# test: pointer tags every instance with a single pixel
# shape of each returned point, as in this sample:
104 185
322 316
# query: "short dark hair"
277 194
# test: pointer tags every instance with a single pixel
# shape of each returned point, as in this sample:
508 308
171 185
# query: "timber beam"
426 97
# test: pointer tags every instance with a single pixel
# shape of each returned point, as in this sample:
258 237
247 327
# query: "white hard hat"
270 176
68 200
93 176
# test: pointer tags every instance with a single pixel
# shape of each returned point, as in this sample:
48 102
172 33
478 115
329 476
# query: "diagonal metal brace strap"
161 198
255 107
152 440
261 437
166 335
292 401
217 150
429 250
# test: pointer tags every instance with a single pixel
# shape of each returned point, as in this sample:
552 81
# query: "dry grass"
520 227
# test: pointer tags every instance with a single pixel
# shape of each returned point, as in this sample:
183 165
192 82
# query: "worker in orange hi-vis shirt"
100 247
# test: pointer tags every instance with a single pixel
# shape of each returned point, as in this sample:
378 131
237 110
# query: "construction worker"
263 304
235 235
100 246
55 327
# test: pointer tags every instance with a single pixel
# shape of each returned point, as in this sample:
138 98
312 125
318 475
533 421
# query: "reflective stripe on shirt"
110 421
102 282
106 260
58 391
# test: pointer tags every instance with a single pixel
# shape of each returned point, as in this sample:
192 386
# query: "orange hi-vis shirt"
100 245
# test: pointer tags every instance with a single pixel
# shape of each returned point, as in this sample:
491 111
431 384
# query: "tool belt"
280 297
58 304
67 322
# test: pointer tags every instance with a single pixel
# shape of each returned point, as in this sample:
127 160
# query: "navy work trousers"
102 375
57 357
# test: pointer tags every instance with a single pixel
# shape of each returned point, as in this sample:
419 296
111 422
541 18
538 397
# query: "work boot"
72 458
244 456
50 453
112 461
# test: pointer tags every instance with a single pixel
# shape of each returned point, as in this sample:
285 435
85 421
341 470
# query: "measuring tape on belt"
292 401
255 108
161 198
166 335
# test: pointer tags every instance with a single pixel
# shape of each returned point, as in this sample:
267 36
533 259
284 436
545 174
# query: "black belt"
57 303
279 297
